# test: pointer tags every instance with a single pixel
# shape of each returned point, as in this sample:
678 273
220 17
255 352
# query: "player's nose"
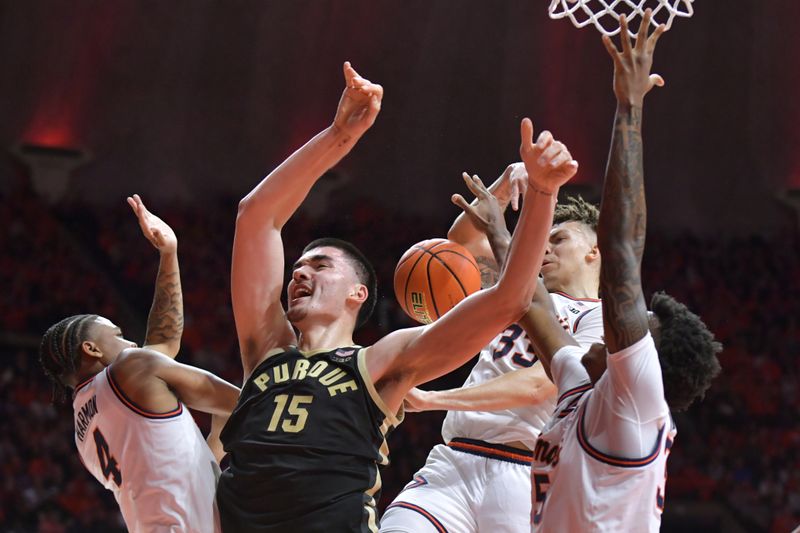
300 274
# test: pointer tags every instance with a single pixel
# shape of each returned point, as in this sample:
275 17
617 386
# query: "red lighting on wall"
54 135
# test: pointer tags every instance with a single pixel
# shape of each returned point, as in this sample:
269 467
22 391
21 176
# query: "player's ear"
359 293
594 254
91 349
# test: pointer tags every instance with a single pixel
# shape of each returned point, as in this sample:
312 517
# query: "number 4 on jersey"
108 464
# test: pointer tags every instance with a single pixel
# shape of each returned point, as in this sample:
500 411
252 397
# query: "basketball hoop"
604 14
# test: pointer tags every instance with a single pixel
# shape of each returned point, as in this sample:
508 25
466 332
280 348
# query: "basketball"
433 276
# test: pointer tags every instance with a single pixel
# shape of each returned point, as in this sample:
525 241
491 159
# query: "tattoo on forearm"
489 271
621 232
165 322
500 242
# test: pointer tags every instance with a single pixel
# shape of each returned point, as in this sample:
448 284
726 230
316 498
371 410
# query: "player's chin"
296 314
549 278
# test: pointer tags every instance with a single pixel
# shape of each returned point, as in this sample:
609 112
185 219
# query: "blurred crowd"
738 448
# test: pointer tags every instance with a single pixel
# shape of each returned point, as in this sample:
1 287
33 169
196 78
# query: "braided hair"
59 352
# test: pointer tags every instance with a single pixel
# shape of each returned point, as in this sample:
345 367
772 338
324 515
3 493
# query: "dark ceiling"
189 99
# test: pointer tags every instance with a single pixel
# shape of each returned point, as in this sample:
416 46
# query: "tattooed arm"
165 322
623 214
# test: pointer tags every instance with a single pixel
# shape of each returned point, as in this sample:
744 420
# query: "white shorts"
466 486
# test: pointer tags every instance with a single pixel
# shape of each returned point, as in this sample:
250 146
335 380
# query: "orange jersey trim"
492 451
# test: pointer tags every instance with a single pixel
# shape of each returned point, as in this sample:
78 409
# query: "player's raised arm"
470 227
623 214
165 321
258 262
408 357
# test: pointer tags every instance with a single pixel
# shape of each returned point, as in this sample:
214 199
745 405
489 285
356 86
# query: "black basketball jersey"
305 442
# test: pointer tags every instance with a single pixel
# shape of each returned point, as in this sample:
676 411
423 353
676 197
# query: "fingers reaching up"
519 184
547 161
153 228
477 213
359 105
632 77
485 214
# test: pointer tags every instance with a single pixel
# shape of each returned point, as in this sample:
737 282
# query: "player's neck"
86 371
581 289
320 336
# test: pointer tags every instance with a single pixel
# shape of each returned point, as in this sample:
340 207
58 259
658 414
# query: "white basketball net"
604 14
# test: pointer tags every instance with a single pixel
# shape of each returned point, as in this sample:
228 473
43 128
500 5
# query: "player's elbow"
255 214
540 390
245 206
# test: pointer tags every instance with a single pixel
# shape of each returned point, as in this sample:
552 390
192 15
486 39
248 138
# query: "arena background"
191 102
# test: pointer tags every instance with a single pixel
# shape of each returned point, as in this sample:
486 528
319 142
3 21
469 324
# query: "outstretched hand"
415 401
512 186
547 161
632 78
486 215
154 229
359 105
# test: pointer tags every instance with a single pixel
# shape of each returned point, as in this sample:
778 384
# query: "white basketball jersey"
158 466
510 351
578 488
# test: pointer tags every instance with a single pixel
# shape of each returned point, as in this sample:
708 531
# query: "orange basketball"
432 277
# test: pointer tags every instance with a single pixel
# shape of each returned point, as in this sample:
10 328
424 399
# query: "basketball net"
604 14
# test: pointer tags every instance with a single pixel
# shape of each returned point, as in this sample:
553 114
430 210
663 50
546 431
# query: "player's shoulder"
137 360
643 347
395 343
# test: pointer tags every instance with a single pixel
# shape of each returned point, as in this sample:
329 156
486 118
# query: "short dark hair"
59 351
364 271
687 352
576 209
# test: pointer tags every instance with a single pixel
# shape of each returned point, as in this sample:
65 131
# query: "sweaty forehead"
323 253
102 322
570 227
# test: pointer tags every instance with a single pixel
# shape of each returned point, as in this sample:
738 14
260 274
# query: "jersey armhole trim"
578 320
573 391
611 459
127 402
417 509
373 393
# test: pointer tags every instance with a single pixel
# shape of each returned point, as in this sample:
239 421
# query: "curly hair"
59 351
364 270
576 209
687 352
